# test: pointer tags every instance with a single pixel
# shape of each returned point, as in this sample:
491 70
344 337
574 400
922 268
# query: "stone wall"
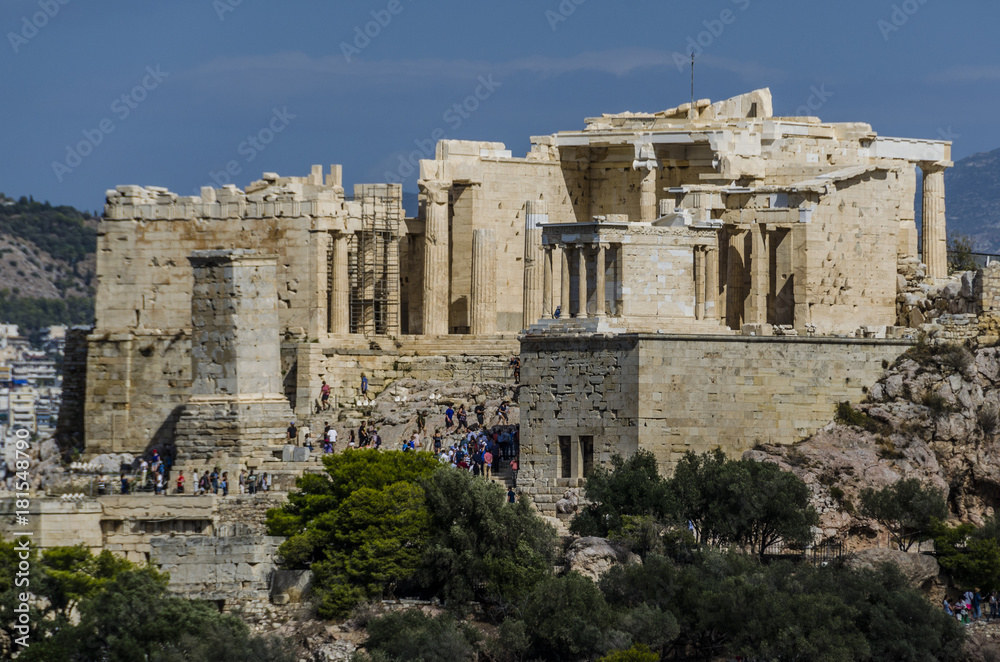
673 394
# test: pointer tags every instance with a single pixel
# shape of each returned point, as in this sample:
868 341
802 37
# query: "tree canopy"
906 508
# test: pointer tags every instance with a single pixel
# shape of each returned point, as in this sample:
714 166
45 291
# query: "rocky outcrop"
592 557
919 569
934 415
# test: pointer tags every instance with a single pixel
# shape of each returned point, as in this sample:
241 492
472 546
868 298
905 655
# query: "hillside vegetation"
47 263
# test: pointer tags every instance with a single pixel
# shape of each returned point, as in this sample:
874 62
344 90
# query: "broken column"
647 196
934 232
436 263
237 408
535 214
484 282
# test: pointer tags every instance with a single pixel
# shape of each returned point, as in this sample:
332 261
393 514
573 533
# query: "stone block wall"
673 394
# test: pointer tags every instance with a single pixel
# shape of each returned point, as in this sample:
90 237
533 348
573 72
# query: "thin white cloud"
620 62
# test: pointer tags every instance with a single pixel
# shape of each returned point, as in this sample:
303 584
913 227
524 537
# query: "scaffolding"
373 263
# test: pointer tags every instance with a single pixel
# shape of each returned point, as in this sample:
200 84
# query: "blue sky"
98 94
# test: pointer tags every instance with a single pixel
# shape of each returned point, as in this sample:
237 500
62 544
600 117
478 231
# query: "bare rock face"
934 415
592 557
919 569
568 504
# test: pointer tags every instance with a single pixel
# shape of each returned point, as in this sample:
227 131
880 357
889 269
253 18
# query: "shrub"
413 635
848 415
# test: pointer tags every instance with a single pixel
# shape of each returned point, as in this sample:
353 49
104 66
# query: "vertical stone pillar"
437 271
734 279
711 282
392 288
340 303
484 282
600 282
319 276
759 276
235 342
699 282
535 214
934 232
581 280
564 287
647 197
547 284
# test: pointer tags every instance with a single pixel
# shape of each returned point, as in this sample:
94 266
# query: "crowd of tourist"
969 607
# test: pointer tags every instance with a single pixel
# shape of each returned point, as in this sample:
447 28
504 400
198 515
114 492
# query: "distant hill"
973 200
47 263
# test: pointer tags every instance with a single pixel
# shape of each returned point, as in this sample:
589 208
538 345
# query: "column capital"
436 190
929 167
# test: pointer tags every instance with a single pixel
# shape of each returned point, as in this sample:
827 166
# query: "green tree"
906 508
970 555
132 617
744 502
362 527
631 487
567 618
960 251
637 653
413 635
481 547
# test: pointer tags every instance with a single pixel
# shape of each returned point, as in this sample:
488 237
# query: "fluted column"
647 197
564 289
599 282
759 276
340 303
547 284
934 234
734 280
711 282
699 282
581 282
484 282
437 272
535 214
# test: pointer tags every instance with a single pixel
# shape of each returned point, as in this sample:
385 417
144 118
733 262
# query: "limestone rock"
919 569
592 557
568 504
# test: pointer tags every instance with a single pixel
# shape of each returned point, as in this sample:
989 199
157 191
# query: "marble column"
437 272
600 282
759 276
934 232
564 287
547 284
581 280
647 197
535 214
699 282
340 304
711 282
734 279
483 316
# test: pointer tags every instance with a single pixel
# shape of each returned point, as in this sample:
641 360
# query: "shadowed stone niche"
237 409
